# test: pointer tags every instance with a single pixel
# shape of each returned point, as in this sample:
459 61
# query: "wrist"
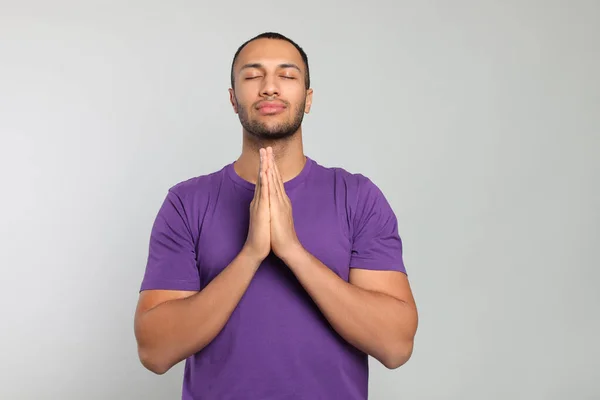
251 257
292 254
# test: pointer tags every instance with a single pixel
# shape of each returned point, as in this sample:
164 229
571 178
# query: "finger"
258 179
278 180
263 162
264 188
268 152
267 161
262 176
273 192
271 181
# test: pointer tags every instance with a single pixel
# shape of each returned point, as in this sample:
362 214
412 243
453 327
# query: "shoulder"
355 185
358 194
198 185
196 192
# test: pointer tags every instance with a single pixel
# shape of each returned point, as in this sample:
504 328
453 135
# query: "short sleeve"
376 243
171 263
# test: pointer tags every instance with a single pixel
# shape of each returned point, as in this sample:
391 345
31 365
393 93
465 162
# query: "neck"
289 156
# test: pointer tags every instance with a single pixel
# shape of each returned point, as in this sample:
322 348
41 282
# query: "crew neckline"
289 185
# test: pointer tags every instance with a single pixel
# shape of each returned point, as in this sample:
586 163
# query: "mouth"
271 108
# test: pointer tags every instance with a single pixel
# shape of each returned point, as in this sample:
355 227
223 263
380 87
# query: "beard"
263 131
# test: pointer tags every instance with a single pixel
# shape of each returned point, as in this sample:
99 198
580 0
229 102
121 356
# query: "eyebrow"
281 66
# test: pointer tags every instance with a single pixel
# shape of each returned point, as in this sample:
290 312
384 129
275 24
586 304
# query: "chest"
319 222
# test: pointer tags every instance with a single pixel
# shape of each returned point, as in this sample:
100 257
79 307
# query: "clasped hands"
271 221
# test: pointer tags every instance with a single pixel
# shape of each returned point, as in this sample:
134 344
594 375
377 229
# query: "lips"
270 107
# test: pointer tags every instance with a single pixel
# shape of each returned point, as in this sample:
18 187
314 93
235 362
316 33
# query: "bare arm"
375 311
170 326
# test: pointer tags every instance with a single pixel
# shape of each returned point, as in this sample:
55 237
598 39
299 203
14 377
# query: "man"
274 277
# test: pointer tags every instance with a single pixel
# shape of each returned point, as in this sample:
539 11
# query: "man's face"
270 95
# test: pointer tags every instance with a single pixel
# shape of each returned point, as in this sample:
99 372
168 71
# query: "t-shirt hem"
375 266
170 285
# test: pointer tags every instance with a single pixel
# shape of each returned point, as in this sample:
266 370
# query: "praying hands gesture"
283 234
271 219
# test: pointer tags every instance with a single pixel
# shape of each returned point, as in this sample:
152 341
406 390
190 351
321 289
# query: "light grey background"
479 120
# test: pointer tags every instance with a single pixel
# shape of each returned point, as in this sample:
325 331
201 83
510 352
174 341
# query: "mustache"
271 100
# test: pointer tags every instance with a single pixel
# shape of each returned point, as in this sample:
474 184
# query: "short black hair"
278 36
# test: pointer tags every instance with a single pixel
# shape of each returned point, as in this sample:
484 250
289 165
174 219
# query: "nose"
269 87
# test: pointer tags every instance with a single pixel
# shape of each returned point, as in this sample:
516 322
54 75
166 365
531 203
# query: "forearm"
177 329
375 323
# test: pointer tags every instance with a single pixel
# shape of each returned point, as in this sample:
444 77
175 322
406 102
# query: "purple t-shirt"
277 344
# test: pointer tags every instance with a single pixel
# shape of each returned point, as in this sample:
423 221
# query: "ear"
233 101
309 97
